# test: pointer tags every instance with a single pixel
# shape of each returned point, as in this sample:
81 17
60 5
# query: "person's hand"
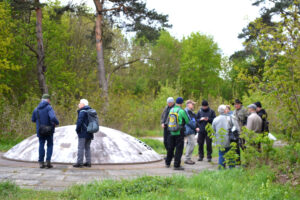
206 118
163 125
197 130
202 118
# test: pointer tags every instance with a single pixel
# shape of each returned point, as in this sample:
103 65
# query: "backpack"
93 125
173 121
233 133
191 126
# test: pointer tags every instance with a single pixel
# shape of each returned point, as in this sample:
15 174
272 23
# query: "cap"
237 101
190 101
258 104
204 103
253 106
46 96
179 100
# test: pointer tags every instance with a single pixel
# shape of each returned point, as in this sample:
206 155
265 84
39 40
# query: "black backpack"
93 125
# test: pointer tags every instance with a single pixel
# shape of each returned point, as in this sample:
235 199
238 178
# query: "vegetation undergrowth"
233 184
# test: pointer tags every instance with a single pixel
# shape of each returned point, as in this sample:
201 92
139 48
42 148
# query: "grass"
7 143
233 184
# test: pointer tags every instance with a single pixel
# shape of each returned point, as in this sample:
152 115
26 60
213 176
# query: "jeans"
175 141
203 137
222 159
42 141
190 144
84 148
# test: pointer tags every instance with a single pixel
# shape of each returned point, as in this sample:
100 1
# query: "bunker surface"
108 147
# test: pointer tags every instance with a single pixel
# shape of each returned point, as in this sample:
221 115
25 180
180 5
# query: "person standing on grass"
205 116
45 119
190 130
84 138
254 122
164 120
177 120
221 125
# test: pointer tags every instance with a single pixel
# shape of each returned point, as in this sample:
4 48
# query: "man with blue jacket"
84 138
44 115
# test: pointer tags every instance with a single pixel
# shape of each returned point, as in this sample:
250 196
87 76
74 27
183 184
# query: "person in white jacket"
221 125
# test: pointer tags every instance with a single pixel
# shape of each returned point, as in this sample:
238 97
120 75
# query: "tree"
200 66
129 14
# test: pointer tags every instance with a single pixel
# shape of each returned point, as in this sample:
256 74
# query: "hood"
43 104
84 108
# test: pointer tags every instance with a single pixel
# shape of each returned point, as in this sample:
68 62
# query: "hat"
84 102
190 101
170 100
258 104
46 96
204 103
237 101
253 106
179 100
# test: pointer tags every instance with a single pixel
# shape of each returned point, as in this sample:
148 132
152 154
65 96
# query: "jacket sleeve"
79 122
249 124
33 118
183 116
198 116
52 116
212 117
163 115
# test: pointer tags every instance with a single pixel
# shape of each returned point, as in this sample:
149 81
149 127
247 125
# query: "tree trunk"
41 68
100 59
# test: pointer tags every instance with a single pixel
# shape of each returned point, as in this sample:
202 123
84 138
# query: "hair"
221 109
84 102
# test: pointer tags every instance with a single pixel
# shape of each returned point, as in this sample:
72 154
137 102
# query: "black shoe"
87 164
167 166
48 165
178 168
209 160
200 159
78 165
42 165
189 162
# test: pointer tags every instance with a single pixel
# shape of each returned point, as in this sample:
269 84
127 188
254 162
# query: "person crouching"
84 138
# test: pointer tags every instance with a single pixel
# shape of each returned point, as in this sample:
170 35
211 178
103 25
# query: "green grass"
233 184
7 143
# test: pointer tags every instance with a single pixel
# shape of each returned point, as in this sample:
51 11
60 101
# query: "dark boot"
78 165
87 164
42 165
49 164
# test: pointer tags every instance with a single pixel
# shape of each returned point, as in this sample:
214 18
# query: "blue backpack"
93 125
190 128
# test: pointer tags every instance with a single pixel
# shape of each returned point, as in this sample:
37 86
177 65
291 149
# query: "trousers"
42 141
190 145
84 148
203 137
175 142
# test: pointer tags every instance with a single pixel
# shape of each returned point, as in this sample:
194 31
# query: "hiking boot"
208 159
42 165
200 159
48 165
189 162
87 164
77 165
178 168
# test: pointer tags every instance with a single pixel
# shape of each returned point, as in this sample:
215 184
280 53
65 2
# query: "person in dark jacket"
84 138
204 116
45 115
164 120
264 116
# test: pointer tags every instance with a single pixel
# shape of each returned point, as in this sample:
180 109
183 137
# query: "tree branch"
32 49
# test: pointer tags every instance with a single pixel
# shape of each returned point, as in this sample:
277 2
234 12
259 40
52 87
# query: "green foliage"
156 145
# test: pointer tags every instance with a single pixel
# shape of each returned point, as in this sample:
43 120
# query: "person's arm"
249 125
183 116
212 117
163 117
52 116
198 116
33 118
79 122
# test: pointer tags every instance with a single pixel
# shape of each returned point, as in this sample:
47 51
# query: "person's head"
222 109
238 104
46 97
170 101
252 108
82 103
204 105
190 104
258 105
179 101
227 108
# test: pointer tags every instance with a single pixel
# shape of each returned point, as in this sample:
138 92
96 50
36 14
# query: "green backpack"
173 121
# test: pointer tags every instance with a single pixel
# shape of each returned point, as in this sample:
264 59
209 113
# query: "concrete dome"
108 147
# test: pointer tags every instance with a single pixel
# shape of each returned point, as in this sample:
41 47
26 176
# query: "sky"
221 19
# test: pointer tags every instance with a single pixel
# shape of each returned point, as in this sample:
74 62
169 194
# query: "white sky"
222 19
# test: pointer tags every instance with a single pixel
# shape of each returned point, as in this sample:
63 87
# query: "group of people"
191 125
46 120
